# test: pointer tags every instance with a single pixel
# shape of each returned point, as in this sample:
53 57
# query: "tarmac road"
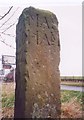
74 88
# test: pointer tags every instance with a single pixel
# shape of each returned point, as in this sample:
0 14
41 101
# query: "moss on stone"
45 12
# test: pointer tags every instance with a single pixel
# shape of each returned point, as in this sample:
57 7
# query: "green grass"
8 101
67 95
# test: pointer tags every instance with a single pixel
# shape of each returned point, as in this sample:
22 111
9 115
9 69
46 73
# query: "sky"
69 15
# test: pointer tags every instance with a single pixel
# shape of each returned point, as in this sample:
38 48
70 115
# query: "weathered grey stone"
37 93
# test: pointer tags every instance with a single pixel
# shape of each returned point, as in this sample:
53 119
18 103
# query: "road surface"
74 88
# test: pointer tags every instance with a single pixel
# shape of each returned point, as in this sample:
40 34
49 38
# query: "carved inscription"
37 37
47 39
50 41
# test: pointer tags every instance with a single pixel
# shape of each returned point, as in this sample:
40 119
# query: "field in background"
72 80
71 102
71 83
73 77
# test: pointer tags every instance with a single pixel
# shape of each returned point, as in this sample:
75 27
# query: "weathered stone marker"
37 93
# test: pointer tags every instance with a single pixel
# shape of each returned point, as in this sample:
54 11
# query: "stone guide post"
37 93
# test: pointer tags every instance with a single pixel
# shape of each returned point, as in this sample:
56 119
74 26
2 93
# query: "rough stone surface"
37 93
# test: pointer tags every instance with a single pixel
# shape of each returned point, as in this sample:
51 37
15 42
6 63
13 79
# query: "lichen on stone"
47 111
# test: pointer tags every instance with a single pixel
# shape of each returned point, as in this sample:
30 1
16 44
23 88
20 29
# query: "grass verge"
67 95
78 84
72 102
